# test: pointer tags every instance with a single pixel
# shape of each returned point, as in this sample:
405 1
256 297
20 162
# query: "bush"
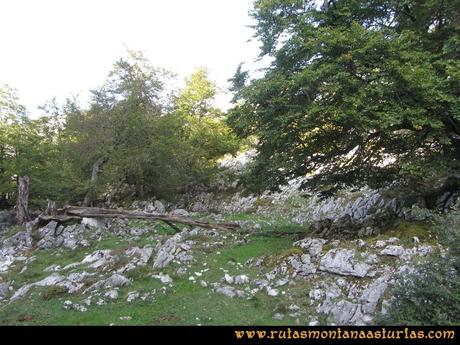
431 296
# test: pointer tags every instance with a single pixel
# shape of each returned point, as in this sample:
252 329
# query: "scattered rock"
179 212
132 295
172 249
51 280
272 292
94 223
302 265
278 316
228 278
4 290
372 294
313 246
116 280
164 278
143 254
159 207
226 291
112 294
341 312
78 307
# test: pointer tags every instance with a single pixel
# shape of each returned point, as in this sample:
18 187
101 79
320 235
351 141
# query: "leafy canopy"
359 92
134 140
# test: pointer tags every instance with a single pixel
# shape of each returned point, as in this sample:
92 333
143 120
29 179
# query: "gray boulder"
393 251
94 223
312 246
302 265
343 262
51 280
372 294
4 290
172 249
159 207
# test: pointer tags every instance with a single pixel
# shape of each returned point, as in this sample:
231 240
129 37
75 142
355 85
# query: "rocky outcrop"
175 248
349 282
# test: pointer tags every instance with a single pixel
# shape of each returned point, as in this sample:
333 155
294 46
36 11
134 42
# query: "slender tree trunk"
90 195
22 215
51 208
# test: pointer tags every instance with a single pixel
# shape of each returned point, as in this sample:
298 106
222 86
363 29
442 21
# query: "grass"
406 231
184 303
12 230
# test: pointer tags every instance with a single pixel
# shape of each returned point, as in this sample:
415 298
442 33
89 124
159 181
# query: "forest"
336 170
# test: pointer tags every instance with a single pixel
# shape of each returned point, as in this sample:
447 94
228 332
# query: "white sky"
59 48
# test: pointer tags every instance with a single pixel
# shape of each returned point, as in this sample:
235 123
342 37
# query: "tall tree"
359 92
27 148
206 131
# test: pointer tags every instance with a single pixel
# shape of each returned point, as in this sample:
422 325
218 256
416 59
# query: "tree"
27 148
205 131
111 140
198 95
359 92
135 142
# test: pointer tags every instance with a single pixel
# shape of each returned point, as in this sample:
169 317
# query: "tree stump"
22 214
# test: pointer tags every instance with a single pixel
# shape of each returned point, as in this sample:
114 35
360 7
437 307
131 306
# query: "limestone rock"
159 207
241 279
343 262
51 280
179 212
4 290
132 295
112 294
116 280
393 251
303 265
372 294
95 223
313 246
164 278
172 249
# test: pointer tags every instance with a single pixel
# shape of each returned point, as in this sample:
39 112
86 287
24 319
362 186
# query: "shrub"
431 296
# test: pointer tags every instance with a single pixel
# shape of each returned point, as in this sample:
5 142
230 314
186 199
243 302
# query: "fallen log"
74 213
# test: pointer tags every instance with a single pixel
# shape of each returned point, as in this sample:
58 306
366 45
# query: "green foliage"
132 141
29 147
368 91
431 296
448 231
148 144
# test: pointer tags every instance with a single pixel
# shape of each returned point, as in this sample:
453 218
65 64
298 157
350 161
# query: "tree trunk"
90 195
51 208
22 215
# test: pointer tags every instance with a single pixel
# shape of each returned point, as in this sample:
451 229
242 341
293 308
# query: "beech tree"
360 92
